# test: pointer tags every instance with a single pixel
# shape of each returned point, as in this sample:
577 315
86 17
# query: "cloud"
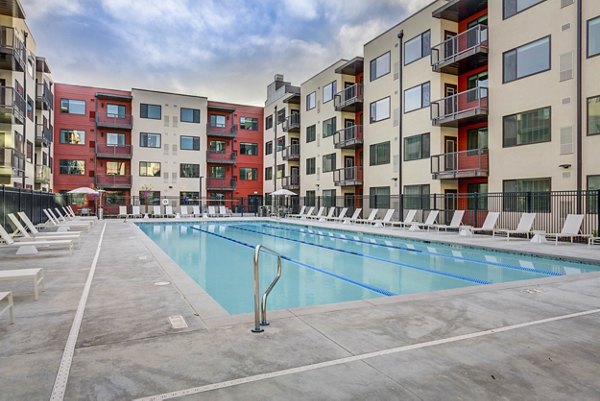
40 9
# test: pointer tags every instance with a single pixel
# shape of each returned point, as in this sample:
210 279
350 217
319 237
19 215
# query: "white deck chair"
196 211
369 219
570 229
318 215
68 219
212 212
122 212
65 224
354 217
34 231
74 235
135 212
8 297
410 217
183 211
297 216
35 275
430 220
489 223
169 211
524 227
9 242
156 211
69 211
329 215
454 223
309 213
386 219
340 217
223 212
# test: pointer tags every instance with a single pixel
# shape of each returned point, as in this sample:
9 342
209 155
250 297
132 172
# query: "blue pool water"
324 266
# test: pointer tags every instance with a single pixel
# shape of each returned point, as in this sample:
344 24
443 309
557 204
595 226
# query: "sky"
226 50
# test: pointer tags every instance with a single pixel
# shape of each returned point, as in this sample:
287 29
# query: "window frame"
72 100
333 90
147 114
374 62
195 113
254 173
327 121
424 199
269 122
504 146
330 156
216 124
268 173
421 146
195 140
422 54
515 49
314 133
374 120
253 124
268 148
511 203
60 137
146 169
151 133
250 145
587 113
428 84
311 162
505 17
373 150
587 37
60 167
313 96
118 106
118 135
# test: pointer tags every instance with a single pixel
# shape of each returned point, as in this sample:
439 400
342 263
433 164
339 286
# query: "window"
593 111
527 127
152 111
280 143
150 197
216 146
268 173
483 20
249 149
310 198
72 106
217 121
115 110
72 167
311 100
189 197
217 172
248 174
149 140
379 197
249 123
416 147
281 171
269 148
280 116
416 97
379 154
476 81
115 168
269 122
531 195
380 66
416 196
311 133
593 37
417 47
311 165
189 115
477 139
189 170
380 110
29 108
328 127
329 163
328 197
593 185
72 137
512 7
481 199
527 60
329 91
189 142
29 151
149 169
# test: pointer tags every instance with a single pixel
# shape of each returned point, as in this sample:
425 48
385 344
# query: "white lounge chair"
410 217
72 213
223 212
430 220
570 229
183 211
196 211
318 215
212 212
454 223
7 296
34 231
340 217
354 217
524 227
74 235
37 275
64 218
329 215
123 212
169 211
489 224
308 214
297 216
387 218
135 212
65 224
156 211
33 244
369 219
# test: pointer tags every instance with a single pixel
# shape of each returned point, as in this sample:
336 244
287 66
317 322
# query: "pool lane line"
425 269
380 291
462 258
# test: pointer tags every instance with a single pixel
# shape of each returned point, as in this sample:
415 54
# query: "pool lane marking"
380 291
512 267
359 357
393 262
62 376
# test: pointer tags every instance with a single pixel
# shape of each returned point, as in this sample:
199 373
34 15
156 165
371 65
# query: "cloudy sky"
227 50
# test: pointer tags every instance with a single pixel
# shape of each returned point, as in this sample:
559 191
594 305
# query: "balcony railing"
291 182
349 137
348 176
12 49
113 181
228 131
43 135
292 123
221 184
470 106
113 151
12 106
12 162
463 164
44 99
42 174
350 99
467 50
119 121
291 152
221 158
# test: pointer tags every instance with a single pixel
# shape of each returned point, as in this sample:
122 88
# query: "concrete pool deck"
527 340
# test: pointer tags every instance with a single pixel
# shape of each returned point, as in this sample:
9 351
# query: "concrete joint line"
355 358
60 384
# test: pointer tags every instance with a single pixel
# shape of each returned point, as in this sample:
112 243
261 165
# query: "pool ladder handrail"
260 317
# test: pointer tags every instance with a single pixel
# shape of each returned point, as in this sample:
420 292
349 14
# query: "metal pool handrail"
263 306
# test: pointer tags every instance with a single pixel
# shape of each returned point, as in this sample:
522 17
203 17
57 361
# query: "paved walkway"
489 342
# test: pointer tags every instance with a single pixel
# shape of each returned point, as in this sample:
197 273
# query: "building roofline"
324 69
168 93
92 87
230 104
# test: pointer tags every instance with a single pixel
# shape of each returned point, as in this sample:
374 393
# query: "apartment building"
26 105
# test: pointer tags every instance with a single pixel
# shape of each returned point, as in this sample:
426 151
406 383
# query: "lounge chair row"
184 211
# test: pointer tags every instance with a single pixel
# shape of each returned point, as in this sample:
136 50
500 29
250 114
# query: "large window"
593 111
248 174
72 106
280 116
417 47
329 127
269 122
512 7
268 173
151 111
29 108
329 91
72 167
310 198
269 148
328 197
189 170
380 66
477 196
115 168
527 127
149 169
249 149
217 146
189 142
72 137
249 123
416 196
593 37
329 163
311 165
217 121
379 154
531 195
280 143
593 185
380 110
416 97
379 197
115 110
311 133
311 100
281 171
217 172
416 147
189 115
477 139
115 139
529 59
149 140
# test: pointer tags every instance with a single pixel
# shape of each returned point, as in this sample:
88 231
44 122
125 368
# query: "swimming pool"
328 266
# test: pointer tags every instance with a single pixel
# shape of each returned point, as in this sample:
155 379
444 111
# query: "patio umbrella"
83 190
282 192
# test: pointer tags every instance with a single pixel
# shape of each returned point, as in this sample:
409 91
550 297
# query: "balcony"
463 164
220 184
465 51
12 162
113 151
44 98
12 106
348 176
291 153
12 50
42 174
291 183
228 131
113 181
350 99
349 137
43 135
220 157
466 107
118 121
292 123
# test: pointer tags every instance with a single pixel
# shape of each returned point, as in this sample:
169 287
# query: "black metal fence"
13 200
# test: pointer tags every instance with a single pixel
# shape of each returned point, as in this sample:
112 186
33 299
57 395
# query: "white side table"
414 227
465 231
539 236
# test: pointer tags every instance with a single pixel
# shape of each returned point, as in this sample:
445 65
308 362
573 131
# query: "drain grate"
532 291
178 322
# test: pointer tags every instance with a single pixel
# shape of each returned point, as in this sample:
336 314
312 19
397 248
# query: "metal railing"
462 164
109 120
348 176
13 200
9 42
12 100
228 131
260 316
42 174
221 184
348 137
44 96
460 47
113 151
43 135
292 123
113 181
292 182
221 157
12 162
348 98
291 152
472 103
